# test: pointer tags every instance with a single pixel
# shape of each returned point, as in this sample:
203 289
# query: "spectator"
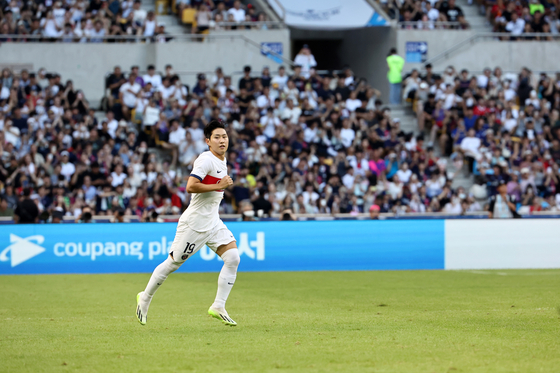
237 12
502 205
5 210
26 211
395 64
306 60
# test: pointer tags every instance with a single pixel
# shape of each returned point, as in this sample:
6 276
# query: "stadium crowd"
517 18
429 14
299 143
98 21
503 128
203 15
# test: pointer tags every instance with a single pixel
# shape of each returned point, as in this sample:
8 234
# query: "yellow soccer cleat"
222 315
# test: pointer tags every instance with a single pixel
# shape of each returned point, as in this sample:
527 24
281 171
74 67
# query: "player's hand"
225 182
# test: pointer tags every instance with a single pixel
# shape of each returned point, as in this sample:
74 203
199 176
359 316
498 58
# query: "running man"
200 225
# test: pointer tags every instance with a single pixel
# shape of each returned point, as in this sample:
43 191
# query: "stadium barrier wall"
87 63
510 56
287 246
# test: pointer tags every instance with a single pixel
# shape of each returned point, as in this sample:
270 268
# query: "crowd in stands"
204 15
503 128
426 14
300 143
517 18
98 21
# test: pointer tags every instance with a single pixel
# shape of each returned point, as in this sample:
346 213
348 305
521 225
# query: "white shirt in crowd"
154 79
196 134
281 81
175 137
433 14
149 27
306 62
404 176
238 14
348 181
112 127
129 98
58 15
482 81
270 124
471 145
151 116
117 179
67 170
347 135
139 16
517 27
292 114
352 105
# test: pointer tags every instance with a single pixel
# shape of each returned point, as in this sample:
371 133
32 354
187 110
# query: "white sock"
227 277
158 277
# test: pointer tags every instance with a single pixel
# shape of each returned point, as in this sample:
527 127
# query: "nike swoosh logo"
219 171
230 283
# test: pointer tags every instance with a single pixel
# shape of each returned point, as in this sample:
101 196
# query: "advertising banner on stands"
327 14
263 246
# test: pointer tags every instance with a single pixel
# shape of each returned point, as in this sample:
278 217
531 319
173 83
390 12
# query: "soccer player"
200 225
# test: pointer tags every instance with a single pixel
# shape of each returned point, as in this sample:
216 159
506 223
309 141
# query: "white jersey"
202 213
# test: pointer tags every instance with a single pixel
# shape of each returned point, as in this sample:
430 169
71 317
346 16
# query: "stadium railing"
317 217
430 25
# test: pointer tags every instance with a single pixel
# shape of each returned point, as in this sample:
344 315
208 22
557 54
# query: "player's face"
218 142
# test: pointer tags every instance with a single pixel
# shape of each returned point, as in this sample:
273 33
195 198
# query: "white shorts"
187 242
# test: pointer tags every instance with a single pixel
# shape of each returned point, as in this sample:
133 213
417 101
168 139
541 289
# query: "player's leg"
225 246
185 244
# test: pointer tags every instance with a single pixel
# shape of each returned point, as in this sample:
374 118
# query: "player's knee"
171 264
231 258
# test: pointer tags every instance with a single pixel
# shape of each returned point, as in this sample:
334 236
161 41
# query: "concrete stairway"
474 16
172 25
410 124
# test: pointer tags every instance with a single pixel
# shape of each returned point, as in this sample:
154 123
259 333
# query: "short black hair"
210 127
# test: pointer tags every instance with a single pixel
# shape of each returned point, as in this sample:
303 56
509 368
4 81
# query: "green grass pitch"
378 321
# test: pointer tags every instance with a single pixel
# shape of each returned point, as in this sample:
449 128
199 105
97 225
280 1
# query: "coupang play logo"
22 249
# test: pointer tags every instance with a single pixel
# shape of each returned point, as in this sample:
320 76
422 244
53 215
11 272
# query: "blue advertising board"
416 51
277 50
263 246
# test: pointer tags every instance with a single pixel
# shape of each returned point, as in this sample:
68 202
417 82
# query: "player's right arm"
194 185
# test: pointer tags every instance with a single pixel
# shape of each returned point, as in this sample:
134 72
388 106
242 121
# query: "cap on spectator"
201 77
57 214
161 24
525 170
151 67
305 46
397 120
374 208
123 123
502 182
64 153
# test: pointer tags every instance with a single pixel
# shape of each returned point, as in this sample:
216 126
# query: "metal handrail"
428 23
283 16
276 24
303 217
493 35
